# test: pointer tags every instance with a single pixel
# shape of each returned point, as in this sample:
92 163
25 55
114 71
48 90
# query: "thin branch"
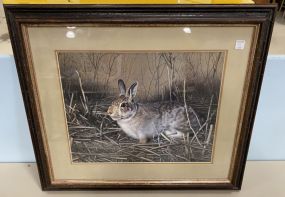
187 115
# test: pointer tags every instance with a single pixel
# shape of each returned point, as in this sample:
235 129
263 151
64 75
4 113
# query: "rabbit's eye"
124 105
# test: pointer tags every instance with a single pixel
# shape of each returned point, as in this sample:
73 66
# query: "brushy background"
89 82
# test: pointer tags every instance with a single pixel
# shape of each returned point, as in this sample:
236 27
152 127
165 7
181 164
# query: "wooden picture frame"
29 24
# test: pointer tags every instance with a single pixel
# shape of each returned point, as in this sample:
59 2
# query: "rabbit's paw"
143 140
174 134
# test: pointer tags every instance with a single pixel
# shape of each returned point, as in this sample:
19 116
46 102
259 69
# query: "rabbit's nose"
109 111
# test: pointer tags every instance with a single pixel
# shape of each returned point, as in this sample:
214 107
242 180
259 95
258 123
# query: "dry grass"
95 137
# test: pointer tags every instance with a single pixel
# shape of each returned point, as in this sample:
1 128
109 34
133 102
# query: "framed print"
140 96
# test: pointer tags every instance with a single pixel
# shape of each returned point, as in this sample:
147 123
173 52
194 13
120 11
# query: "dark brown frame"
19 16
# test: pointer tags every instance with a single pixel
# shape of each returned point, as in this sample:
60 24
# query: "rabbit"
144 121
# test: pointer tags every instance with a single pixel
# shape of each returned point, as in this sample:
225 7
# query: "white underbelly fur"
128 129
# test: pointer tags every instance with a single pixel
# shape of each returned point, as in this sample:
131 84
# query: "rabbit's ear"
132 91
122 87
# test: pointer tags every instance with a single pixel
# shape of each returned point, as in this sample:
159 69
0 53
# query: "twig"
82 92
209 134
196 116
149 151
187 115
111 140
209 110
201 128
164 136
70 103
86 147
142 158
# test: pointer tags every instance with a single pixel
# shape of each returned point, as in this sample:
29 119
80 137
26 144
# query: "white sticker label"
240 44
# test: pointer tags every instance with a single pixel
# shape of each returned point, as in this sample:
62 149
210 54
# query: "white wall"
15 142
267 140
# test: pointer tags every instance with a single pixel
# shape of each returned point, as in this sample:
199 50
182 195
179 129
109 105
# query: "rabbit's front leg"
143 140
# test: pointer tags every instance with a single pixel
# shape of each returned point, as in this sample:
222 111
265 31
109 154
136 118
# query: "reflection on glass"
187 30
